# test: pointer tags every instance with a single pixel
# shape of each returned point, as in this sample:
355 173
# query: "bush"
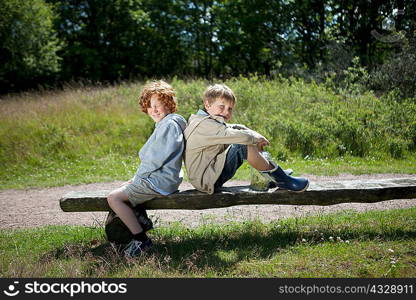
353 80
398 73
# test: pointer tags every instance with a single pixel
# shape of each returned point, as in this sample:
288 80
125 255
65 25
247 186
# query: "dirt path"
39 207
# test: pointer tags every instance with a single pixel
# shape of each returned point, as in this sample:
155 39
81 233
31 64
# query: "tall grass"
93 133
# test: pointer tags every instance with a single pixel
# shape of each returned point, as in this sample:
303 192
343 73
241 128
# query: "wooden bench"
318 193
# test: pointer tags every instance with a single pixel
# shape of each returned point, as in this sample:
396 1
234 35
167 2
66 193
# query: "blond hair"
217 91
165 92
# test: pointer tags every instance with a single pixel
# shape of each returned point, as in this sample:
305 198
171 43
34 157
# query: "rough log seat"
318 193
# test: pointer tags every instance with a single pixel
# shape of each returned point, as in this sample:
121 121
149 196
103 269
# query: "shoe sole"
144 252
300 191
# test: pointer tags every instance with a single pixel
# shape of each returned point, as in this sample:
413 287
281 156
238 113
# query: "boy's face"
157 110
220 107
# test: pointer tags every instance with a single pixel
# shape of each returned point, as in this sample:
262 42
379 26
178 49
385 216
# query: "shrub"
398 73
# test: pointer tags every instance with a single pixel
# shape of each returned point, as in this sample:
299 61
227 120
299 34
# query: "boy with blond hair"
215 150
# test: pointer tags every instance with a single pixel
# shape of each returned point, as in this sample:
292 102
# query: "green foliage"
29 46
398 73
352 80
310 120
93 134
114 40
345 244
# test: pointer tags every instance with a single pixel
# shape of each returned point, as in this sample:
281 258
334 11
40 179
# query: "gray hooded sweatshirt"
161 155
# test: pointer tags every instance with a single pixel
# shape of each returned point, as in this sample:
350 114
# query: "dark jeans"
235 158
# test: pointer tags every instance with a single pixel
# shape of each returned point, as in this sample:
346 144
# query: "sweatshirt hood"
174 117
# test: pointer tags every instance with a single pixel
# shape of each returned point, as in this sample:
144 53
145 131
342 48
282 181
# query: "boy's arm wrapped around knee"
238 126
243 127
211 132
248 130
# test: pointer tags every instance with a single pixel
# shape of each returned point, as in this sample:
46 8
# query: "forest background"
47 43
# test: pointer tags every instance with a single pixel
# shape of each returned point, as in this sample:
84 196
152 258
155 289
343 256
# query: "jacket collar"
202 112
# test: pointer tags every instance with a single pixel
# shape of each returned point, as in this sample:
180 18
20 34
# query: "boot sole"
300 191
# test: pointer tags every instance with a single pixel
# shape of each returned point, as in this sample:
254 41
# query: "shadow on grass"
195 252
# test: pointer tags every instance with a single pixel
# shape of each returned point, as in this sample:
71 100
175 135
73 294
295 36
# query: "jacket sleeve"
167 144
237 126
212 132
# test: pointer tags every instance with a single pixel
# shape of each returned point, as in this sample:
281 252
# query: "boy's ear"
206 104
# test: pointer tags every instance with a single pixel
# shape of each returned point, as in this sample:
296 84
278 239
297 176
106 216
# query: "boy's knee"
114 197
110 198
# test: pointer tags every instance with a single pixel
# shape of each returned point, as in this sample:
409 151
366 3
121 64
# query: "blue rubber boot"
285 181
272 184
288 171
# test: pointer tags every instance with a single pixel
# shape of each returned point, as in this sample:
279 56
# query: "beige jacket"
207 142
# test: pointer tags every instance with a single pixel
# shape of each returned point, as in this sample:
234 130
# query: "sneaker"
136 248
143 218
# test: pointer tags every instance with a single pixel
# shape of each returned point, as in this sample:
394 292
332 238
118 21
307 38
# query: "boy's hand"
262 142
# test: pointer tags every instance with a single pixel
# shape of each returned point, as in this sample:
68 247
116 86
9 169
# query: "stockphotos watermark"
71 289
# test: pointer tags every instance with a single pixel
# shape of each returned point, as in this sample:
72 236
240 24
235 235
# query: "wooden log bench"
318 193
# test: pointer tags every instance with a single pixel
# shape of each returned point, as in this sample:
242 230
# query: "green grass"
93 134
372 244
78 171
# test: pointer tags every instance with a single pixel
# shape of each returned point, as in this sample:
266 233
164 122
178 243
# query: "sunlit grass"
346 244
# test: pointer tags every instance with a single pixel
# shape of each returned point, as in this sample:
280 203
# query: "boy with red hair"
161 161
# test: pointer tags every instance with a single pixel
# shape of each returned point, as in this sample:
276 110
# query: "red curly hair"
164 91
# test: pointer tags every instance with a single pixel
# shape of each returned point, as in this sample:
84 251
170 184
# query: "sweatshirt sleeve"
167 144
